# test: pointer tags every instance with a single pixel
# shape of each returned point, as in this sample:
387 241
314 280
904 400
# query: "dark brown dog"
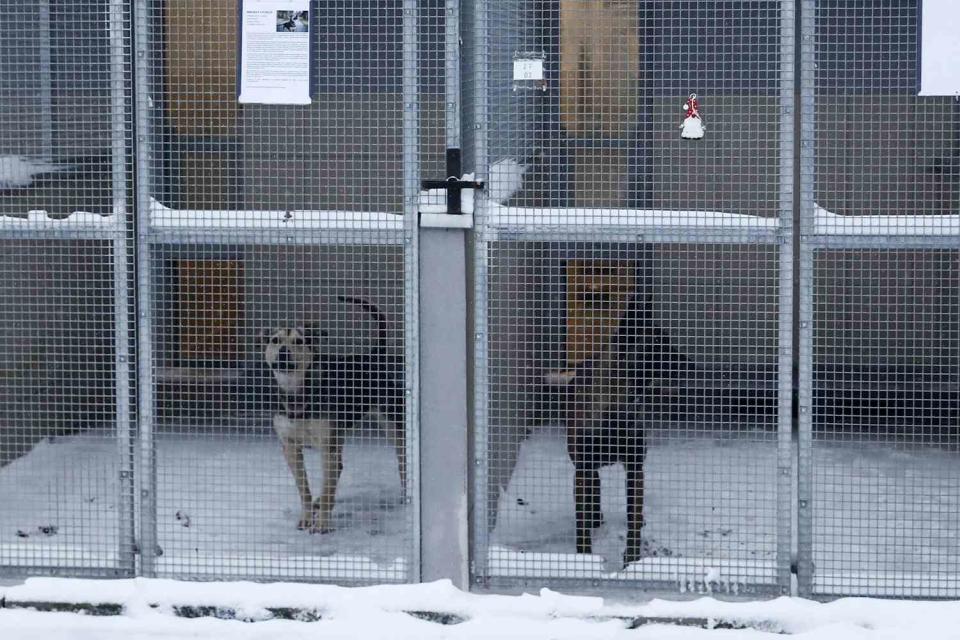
604 403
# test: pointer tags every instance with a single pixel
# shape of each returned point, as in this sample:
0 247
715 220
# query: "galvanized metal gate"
634 294
879 310
277 264
66 207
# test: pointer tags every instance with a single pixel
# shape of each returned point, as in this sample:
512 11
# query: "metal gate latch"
453 184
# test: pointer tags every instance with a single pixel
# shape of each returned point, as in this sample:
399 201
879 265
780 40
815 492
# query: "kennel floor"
885 516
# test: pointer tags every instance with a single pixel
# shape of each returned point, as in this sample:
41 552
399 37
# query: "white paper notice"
275 52
940 48
528 69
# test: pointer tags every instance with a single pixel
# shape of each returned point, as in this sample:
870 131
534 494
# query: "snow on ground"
886 518
889 513
149 608
710 506
226 506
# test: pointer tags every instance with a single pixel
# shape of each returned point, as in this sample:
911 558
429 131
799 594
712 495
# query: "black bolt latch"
453 184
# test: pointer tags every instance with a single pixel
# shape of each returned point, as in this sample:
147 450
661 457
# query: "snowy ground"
226 506
886 521
149 609
710 508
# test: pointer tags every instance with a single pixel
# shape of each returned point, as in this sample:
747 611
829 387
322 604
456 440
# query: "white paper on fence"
275 52
940 48
528 69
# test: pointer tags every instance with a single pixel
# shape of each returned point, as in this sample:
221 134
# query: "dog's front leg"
585 454
586 496
293 452
634 469
332 448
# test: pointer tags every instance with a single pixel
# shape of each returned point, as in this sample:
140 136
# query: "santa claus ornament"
692 127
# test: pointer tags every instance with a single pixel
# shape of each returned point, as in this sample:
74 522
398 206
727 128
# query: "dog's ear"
559 378
312 333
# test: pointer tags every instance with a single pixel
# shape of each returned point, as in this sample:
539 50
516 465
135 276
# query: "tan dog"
323 396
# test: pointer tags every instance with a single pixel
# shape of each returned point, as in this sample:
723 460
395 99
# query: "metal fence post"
477 70
146 455
120 32
444 375
412 285
804 357
788 158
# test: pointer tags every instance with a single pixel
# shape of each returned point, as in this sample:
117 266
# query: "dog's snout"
284 359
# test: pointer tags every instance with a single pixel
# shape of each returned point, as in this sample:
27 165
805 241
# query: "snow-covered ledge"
163 217
825 222
38 219
829 223
499 215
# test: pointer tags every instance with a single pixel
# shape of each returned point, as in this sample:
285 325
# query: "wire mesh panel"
58 64
886 159
886 405
59 448
879 309
660 113
634 292
279 157
235 328
65 454
633 415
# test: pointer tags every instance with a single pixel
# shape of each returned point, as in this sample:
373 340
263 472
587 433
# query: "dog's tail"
380 346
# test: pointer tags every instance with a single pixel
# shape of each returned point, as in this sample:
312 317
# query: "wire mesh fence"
885 405
279 423
209 286
886 157
65 507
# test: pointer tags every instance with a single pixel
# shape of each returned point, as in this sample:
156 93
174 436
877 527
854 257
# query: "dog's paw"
312 525
646 549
